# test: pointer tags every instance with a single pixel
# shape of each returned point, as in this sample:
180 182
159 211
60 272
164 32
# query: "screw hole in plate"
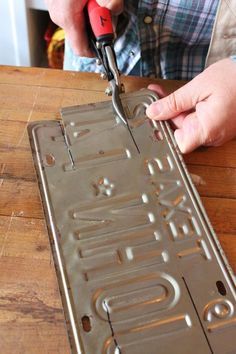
221 288
86 323
50 160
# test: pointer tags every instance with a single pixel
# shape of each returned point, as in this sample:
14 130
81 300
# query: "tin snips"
101 37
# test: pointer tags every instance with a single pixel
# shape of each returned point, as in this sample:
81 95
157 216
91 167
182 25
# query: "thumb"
183 99
116 6
190 135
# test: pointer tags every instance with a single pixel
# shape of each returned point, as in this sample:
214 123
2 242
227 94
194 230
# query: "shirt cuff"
233 57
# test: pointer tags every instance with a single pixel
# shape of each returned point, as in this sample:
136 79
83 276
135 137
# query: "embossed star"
104 187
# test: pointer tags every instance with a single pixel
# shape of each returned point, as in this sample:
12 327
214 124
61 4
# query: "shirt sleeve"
77 63
233 57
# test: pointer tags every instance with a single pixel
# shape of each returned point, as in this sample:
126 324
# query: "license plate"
139 267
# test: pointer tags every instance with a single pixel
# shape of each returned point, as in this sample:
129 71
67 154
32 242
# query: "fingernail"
154 110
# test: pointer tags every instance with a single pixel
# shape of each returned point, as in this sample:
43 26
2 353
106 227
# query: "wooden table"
31 316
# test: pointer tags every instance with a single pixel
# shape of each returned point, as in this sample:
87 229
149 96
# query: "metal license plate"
139 266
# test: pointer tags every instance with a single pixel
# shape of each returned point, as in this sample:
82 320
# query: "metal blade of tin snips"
116 90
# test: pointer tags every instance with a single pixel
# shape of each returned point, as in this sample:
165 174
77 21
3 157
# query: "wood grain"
31 315
30 305
223 156
213 181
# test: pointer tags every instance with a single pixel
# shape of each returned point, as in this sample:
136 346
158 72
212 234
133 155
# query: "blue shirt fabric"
166 38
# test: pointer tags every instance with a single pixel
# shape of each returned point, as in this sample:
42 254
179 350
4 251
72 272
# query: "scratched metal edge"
198 205
74 340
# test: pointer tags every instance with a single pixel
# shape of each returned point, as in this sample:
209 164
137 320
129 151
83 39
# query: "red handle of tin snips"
101 21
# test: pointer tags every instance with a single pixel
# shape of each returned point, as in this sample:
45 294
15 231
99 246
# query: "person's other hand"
204 110
68 14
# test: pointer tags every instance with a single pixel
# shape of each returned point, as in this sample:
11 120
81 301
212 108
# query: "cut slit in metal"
112 331
67 145
126 229
133 138
185 283
119 110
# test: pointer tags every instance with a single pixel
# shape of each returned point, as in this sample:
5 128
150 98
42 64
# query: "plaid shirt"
166 38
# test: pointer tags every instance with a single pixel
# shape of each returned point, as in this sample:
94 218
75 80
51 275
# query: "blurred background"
27 35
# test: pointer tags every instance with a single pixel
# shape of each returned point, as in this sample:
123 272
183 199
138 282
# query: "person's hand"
68 14
204 110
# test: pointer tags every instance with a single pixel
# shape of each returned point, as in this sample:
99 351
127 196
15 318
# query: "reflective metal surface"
139 267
